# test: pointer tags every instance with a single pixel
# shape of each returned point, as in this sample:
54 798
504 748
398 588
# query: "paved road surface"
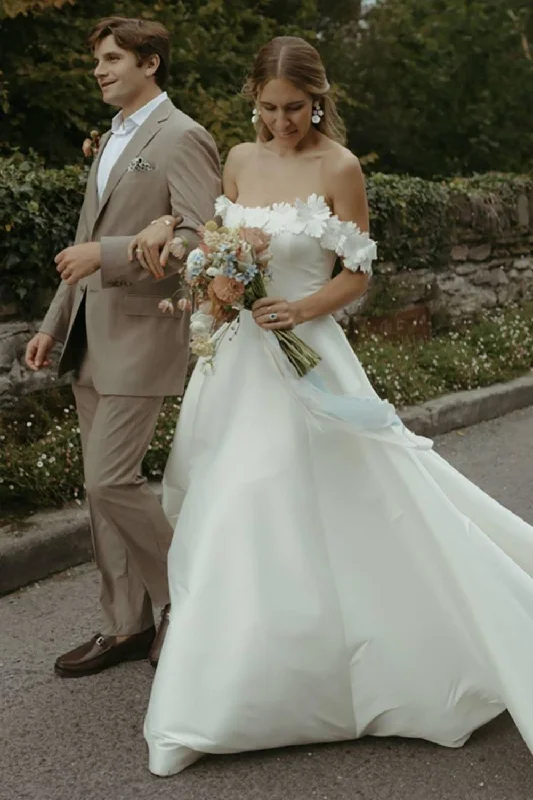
82 740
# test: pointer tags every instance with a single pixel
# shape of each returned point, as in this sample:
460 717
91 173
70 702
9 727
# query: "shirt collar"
122 127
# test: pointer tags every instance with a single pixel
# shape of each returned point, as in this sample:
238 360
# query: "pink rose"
178 247
166 306
87 148
257 238
184 304
91 145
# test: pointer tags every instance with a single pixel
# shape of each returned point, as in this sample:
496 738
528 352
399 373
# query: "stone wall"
15 377
478 278
489 265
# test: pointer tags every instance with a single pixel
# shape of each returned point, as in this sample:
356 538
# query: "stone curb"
53 541
48 542
463 409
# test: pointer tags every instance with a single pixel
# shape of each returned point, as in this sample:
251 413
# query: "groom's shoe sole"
103 652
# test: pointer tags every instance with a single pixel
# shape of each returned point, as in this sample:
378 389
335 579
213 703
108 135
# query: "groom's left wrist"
98 256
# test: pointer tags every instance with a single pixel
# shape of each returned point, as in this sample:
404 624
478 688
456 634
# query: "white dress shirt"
122 131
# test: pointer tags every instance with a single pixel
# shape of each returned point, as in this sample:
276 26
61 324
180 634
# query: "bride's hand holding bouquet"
228 272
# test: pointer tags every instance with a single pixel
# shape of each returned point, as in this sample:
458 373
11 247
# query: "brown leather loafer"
103 652
155 650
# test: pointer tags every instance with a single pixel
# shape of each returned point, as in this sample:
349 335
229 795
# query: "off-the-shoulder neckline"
312 198
312 217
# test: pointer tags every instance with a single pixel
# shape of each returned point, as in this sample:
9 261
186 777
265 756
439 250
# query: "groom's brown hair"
138 36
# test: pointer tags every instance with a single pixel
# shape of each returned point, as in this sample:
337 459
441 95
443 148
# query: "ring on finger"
273 317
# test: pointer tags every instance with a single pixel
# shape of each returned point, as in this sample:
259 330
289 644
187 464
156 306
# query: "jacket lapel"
141 138
92 183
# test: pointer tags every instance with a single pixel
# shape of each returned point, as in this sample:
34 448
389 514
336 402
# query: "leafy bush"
38 217
41 456
48 67
415 220
411 220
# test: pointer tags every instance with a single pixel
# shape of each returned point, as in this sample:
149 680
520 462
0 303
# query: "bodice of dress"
306 239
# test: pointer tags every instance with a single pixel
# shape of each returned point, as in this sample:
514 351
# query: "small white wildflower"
201 323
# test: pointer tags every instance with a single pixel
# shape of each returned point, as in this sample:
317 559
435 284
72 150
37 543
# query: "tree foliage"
51 99
428 87
11 8
443 86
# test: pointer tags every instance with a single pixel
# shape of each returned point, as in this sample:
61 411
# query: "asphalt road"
82 739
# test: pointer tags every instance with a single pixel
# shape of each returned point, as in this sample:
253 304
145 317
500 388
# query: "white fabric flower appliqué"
314 214
256 217
333 235
356 248
222 205
283 218
312 217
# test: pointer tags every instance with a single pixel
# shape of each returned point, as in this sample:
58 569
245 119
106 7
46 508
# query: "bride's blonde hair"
297 61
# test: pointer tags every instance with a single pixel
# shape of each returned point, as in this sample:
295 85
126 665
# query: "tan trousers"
131 534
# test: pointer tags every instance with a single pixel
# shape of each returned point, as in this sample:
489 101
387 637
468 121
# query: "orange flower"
220 311
228 290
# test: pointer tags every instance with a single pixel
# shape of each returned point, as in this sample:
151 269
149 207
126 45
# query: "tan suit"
128 355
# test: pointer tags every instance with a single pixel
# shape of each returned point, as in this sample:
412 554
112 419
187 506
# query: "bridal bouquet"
226 273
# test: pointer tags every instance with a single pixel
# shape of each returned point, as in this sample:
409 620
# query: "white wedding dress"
331 576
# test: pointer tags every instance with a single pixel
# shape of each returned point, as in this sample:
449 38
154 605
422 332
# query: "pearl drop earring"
255 116
317 113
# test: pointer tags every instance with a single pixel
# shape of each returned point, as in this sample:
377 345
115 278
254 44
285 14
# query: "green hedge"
38 216
413 220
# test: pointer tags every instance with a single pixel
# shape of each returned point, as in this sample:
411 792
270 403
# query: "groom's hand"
78 261
37 351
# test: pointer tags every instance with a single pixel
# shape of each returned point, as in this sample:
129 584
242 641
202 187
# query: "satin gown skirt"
331 576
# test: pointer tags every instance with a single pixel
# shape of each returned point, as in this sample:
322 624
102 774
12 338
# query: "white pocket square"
140 165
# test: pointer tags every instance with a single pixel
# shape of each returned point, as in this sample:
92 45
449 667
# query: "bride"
331 576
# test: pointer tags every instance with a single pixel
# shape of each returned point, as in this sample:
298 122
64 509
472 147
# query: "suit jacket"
134 348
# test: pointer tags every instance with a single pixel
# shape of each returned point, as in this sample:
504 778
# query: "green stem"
302 357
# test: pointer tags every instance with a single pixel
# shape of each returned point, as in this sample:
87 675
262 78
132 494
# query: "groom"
126 354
